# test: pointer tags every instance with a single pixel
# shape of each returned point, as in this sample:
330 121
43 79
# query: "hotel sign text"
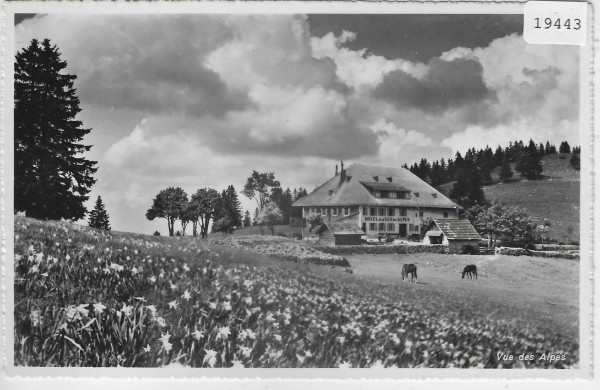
386 219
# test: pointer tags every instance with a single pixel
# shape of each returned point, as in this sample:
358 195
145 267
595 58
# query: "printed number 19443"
557 24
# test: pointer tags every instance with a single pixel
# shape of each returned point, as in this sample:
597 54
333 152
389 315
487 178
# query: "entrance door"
402 230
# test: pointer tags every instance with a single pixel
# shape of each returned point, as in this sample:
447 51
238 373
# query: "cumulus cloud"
129 62
446 84
202 100
356 68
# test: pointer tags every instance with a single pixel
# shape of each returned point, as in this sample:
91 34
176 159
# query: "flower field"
85 297
282 248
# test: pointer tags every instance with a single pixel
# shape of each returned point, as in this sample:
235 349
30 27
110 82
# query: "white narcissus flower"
99 308
211 357
237 364
147 348
173 304
126 309
224 332
164 339
186 295
152 310
198 334
173 286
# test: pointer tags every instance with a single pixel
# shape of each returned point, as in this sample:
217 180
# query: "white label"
555 22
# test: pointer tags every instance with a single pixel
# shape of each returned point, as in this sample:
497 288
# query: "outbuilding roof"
351 188
457 229
338 228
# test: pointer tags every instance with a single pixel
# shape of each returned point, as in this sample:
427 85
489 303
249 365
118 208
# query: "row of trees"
223 209
204 206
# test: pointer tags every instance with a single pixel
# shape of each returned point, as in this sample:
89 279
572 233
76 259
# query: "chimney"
336 169
342 166
342 173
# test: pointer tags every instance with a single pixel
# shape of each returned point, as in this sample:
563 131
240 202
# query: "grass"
85 297
555 197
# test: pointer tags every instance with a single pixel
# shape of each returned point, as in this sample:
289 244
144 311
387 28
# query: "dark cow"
470 270
409 269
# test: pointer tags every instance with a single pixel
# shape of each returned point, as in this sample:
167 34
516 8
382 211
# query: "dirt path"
531 289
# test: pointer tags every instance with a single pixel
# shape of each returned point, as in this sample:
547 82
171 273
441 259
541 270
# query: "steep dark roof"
346 189
457 229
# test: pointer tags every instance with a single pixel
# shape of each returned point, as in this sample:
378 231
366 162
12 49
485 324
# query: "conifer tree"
247 219
52 178
530 163
99 216
564 147
467 190
575 161
505 170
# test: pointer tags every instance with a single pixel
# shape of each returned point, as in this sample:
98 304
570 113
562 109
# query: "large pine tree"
52 178
99 216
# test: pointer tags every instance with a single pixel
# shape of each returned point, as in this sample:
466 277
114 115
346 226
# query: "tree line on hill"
527 159
474 170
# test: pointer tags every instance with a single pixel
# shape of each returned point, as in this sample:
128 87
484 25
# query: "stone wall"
526 252
382 249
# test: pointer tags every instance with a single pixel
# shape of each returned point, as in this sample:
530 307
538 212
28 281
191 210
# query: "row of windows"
391 194
383 212
334 211
390 227
367 211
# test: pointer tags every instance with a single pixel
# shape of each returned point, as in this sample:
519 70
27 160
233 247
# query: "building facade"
382 201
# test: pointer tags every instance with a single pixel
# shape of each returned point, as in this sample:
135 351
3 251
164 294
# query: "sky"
200 101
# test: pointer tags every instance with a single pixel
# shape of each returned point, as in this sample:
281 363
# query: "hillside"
85 297
555 197
257 231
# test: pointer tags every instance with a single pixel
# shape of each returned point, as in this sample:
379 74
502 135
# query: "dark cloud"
416 38
447 84
21 17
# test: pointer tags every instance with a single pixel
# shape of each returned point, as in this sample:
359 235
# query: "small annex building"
455 233
339 234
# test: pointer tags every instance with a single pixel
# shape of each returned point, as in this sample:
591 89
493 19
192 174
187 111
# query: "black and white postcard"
303 190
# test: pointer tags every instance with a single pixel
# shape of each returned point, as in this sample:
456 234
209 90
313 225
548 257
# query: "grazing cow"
470 270
409 269
349 270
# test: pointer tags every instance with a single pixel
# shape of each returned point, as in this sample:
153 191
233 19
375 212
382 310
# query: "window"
416 214
391 212
421 214
445 214
384 194
434 195
346 210
373 211
381 212
393 194
377 194
334 212
410 227
390 227
382 227
366 211
403 213
323 211
372 226
416 194
313 210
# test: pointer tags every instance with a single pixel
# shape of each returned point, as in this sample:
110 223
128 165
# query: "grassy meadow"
85 297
